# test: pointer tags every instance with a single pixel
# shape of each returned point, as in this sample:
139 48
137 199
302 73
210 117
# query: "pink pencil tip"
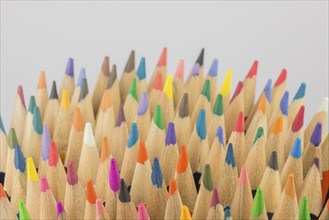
180 70
53 154
253 70
142 212
44 186
215 198
72 177
163 58
244 179
100 210
239 124
20 93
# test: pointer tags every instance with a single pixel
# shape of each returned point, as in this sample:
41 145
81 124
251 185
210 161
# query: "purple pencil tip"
213 68
143 104
316 162
114 177
72 176
70 67
82 76
171 134
195 70
317 135
60 209
45 143
121 117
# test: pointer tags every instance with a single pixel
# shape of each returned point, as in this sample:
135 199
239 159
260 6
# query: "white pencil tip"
324 105
88 137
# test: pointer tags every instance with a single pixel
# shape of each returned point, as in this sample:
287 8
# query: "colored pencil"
125 207
131 103
294 165
193 86
143 117
161 67
174 202
228 178
45 146
227 213
19 178
142 212
156 201
85 104
185 213
12 139
62 130
101 213
311 189
183 122
32 190
74 202
288 206
68 79
105 121
89 157
141 182
90 208
113 87
6 209
271 185
216 120
155 141
225 89
170 155
325 169
258 209
278 90
212 77
77 89
216 210
130 156
103 171
216 156
313 150
101 83
320 116
119 137
23 213
47 201
167 101
256 160
61 213
282 111
127 76
184 178
178 83
249 83
3 151
237 139
296 103
156 92
141 76
28 125
19 114
51 110
41 96
242 203
304 210
76 139
113 189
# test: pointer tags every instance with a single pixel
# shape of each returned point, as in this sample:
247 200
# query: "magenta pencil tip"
44 184
114 177
60 209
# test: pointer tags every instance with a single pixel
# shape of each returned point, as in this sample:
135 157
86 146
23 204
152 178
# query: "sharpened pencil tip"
268 90
100 209
91 194
143 104
296 150
44 186
301 91
206 90
114 177
282 78
230 159
237 91
239 123
124 195
220 134
316 136
72 176
168 87
253 70
65 99
304 210
82 76
20 94
88 136
157 83
163 58
121 117
227 83
31 171
142 212
171 134
156 177
130 66
218 106
284 103
141 70
244 179
299 120
183 160
213 71
133 136
201 126
183 110
70 67
23 213
142 153
32 104
172 187
195 70
113 76
84 90
273 162
133 89
53 93
19 160
157 118
60 209
106 66
214 199
180 70
185 213
42 84
200 57
207 178
53 154
258 207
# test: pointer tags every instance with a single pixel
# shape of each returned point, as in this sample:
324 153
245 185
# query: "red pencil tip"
180 70
239 123
163 58
299 120
157 84
237 91
253 70
53 154
282 78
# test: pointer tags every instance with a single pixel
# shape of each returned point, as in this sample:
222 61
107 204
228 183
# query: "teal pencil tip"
37 121
201 127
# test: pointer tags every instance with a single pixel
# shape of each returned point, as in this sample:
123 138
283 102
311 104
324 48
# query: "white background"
42 35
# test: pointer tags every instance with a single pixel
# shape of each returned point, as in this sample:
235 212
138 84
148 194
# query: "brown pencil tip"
130 66
106 66
42 80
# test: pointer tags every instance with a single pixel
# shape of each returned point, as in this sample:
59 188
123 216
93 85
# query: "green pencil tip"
258 207
133 89
218 106
23 213
158 120
12 138
206 89
260 133
207 178
304 210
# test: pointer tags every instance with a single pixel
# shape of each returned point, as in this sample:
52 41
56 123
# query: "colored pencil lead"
53 93
37 121
23 213
183 110
72 176
142 153
299 120
185 213
163 58
214 199
239 124
230 159
268 90
113 76
183 160
316 135
133 136
106 66
31 171
91 194
20 93
44 185
32 104
304 210
195 70
130 66
237 90
258 207
253 70
70 67
133 89
206 89
213 71
282 78
53 154
201 126
84 90
284 103
42 80
60 209
260 133
157 84
167 89
156 177
12 138
1 125
220 134
121 117
226 86
301 91
200 58
273 162
124 195
19 159
158 119
82 76
142 212
114 177
218 106
143 104
65 100
171 134
207 178
296 150
45 143
141 70
180 70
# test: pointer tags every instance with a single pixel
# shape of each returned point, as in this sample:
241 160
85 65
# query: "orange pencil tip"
158 84
142 153
262 104
42 80
183 160
106 100
91 194
105 150
2 192
277 127
289 187
77 120
172 187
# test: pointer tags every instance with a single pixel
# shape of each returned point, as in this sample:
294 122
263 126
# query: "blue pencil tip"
268 90
46 139
301 91
156 177
201 127
141 71
230 159
284 103
317 135
19 159
133 136
143 104
82 76
195 70
32 104
171 134
220 135
213 71
70 67
1 125
296 150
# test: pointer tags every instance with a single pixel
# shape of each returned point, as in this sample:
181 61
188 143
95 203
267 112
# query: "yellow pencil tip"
167 89
185 213
226 86
65 99
31 171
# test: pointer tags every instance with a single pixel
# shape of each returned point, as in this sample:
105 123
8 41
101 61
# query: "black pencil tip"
200 58
183 107
113 76
273 162
53 93
84 90
124 195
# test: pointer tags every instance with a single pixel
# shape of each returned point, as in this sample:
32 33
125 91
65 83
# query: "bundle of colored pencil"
167 149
